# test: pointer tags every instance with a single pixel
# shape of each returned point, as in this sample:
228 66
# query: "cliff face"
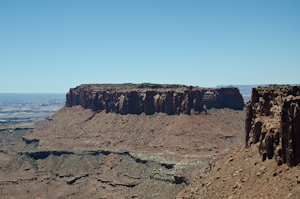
151 98
273 121
229 97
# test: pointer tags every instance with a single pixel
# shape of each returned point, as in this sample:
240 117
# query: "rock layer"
151 98
228 97
273 121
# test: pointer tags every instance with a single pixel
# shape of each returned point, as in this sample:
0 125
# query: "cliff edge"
272 126
151 98
273 121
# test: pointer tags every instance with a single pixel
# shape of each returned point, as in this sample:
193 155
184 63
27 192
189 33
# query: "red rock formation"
273 121
229 97
151 98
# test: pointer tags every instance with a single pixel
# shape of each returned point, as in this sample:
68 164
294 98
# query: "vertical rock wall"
135 102
147 98
273 121
229 97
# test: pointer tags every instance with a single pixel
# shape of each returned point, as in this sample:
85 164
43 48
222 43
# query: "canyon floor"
140 159
79 153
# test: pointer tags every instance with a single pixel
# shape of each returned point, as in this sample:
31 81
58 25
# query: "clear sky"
51 46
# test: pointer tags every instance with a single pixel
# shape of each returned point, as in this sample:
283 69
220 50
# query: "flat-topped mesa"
273 121
137 98
147 98
228 97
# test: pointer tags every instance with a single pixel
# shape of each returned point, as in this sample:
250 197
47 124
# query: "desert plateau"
149 99
157 141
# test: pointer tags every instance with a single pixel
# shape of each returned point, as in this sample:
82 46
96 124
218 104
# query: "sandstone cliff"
273 121
151 98
228 97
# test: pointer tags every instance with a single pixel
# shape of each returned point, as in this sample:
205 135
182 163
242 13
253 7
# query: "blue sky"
51 46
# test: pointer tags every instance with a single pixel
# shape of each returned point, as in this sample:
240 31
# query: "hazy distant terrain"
20 107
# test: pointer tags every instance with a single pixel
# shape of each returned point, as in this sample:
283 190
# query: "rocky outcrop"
228 97
273 121
151 98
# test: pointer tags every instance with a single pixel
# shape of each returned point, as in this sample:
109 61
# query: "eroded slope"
78 128
83 151
272 130
242 174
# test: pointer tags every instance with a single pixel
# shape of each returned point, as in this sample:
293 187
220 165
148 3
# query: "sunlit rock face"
151 98
273 121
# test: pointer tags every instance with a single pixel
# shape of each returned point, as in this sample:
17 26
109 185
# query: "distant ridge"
23 107
30 98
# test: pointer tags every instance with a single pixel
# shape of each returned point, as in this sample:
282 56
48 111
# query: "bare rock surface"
272 130
228 97
10 136
273 121
242 174
151 98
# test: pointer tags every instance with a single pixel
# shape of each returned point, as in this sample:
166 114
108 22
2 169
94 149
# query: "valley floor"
77 153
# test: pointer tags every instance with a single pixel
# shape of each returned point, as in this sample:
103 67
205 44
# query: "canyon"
157 141
121 141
